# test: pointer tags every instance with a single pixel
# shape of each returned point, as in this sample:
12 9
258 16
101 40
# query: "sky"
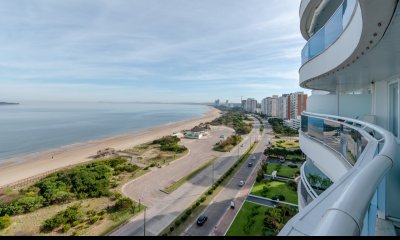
148 50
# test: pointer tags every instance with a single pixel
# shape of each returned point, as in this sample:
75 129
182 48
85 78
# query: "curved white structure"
355 28
332 164
342 209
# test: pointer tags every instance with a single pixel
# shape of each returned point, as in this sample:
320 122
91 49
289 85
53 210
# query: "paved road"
219 213
165 208
148 188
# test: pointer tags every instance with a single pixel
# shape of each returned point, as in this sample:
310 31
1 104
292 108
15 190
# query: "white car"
241 183
253 158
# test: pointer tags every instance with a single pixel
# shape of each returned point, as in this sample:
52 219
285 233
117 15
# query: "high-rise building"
298 104
269 106
283 106
350 134
216 102
251 105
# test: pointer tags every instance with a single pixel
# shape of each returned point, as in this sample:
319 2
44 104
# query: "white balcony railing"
351 204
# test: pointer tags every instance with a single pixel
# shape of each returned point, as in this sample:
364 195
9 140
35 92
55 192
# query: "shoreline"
30 165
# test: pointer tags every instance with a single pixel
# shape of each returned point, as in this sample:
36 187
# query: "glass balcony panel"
332 133
316 128
346 141
316 178
329 33
333 28
304 124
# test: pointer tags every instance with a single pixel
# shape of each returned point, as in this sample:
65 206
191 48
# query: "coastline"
23 167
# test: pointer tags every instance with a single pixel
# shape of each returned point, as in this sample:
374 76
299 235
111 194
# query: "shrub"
198 204
292 185
5 222
210 192
123 204
94 219
292 166
184 218
171 229
70 215
131 168
116 196
66 228
188 212
203 199
177 223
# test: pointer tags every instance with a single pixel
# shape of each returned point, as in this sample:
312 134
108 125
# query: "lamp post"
144 222
213 173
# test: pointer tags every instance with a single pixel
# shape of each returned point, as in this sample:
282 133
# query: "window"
394 108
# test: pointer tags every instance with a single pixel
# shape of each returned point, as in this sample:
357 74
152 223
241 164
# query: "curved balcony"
349 207
329 33
355 28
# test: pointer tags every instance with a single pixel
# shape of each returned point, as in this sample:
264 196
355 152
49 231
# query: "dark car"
250 164
201 220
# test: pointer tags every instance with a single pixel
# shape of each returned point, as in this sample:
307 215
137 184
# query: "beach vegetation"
5 222
170 144
228 144
235 120
81 182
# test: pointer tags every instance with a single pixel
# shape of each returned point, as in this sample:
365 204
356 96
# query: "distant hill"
7 103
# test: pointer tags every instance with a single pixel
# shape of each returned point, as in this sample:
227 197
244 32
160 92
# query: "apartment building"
251 105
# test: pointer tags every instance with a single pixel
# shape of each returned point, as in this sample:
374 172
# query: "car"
241 145
253 158
232 205
250 164
201 220
222 136
241 183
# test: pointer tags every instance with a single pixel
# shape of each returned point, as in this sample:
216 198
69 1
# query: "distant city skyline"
164 51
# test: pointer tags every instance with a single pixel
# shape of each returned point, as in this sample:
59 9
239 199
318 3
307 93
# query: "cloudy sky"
148 50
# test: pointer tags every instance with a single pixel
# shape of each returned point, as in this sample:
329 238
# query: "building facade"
251 105
350 132
298 104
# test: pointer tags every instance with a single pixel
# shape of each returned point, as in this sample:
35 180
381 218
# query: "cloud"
156 46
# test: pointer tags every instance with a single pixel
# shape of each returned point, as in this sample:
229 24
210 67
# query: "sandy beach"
16 169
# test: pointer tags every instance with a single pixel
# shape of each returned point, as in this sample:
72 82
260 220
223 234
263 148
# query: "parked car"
253 158
232 204
222 136
201 220
250 164
241 183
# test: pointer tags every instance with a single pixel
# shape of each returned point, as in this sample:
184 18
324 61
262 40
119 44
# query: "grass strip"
183 180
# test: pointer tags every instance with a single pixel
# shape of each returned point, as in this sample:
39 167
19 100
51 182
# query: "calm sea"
33 127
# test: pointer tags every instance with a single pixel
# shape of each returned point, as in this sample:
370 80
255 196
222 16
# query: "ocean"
35 127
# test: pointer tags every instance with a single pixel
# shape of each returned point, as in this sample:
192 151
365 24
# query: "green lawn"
247 225
286 144
283 171
275 188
